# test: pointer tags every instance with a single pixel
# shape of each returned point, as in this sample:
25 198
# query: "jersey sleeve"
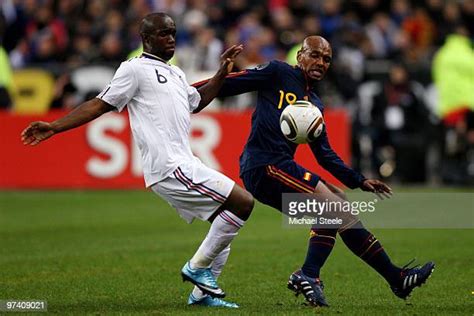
121 89
194 98
329 160
258 78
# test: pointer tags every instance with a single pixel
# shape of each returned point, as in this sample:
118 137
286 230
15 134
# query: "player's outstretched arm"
39 131
210 90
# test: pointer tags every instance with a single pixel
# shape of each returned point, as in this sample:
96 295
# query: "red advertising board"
101 154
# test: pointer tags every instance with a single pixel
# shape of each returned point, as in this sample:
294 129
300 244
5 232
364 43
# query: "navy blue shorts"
268 183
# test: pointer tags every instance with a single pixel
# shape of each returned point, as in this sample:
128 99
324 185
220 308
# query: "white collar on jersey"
151 56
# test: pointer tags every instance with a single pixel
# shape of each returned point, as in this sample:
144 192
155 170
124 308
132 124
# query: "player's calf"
225 225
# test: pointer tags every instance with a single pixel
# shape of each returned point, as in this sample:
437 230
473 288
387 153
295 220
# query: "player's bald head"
158 32
315 41
314 57
153 21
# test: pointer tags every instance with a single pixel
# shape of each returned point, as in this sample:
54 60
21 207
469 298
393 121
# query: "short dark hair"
147 25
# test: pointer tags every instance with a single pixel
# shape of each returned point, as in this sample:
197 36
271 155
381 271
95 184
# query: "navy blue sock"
321 242
364 245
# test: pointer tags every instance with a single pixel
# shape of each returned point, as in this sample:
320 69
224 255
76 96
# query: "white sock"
198 294
220 261
223 230
217 266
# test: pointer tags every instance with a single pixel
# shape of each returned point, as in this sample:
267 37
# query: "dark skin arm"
39 131
377 187
210 90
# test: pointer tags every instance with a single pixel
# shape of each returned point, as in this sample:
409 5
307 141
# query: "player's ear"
147 37
298 56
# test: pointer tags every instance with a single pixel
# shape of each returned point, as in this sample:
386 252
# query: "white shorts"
195 190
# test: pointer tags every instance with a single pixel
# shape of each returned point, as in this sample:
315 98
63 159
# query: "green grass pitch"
120 252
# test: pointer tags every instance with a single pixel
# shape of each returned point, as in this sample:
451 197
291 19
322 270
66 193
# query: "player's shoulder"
271 64
177 69
282 65
129 64
124 69
133 62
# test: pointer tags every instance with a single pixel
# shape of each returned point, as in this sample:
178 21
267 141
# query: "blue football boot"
203 279
210 302
411 278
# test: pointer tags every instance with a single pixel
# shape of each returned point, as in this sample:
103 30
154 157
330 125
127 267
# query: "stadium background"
104 251
56 54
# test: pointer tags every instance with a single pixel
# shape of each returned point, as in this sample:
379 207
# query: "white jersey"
160 102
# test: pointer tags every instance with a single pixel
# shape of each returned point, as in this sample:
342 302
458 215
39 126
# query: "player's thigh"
195 190
329 193
237 200
335 189
269 183
331 188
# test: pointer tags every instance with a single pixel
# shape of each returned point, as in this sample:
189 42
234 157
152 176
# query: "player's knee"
247 203
240 202
341 194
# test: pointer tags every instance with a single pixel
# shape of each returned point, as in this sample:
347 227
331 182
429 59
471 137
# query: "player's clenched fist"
36 132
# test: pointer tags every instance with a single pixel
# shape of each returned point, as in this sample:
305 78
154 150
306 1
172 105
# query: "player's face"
315 58
162 39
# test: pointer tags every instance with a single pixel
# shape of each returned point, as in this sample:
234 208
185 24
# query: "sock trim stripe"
325 236
368 237
322 243
374 253
364 243
349 225
288 180
228 219
373 243
198 187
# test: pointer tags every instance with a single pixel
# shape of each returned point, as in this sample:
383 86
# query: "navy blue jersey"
279 84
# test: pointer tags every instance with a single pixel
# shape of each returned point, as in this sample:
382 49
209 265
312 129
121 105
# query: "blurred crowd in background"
404 70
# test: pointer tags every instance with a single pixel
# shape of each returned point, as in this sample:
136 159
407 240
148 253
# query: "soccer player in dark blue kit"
268 169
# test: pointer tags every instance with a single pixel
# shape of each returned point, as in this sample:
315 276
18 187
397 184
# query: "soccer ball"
301 122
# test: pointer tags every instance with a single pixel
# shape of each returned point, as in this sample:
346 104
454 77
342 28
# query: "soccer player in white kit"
159 102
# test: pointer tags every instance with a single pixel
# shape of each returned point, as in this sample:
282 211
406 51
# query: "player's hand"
36 132
228 57
378 187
